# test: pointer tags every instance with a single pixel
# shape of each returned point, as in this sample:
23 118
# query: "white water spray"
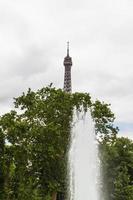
83 160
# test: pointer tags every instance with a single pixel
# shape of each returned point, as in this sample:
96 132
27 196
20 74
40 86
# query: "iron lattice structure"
67 75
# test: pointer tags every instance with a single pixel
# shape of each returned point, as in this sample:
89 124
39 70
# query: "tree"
38 135
2 151
117 164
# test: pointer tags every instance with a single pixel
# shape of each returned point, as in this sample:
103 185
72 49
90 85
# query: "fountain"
83 159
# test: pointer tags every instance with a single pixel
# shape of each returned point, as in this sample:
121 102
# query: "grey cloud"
32 62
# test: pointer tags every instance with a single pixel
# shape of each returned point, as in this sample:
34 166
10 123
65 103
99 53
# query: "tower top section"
67 59
67 76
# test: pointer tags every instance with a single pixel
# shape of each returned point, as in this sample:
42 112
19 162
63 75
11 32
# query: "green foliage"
2 152
104 119
117 161
34 140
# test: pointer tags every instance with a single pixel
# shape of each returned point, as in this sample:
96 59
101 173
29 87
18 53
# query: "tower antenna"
68 49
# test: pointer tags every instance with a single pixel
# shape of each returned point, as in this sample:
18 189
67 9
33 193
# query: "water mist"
83 159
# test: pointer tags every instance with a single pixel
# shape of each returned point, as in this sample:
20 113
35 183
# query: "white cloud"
33 37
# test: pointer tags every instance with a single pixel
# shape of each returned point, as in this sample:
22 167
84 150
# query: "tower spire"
67 49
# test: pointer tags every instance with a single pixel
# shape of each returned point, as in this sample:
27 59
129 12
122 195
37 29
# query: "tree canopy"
34 140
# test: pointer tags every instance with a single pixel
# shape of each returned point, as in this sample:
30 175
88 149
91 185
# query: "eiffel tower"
67 75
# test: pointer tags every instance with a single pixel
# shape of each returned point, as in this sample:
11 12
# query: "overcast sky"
33 36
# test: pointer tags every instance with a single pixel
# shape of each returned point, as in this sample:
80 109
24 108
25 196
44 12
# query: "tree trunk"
54 195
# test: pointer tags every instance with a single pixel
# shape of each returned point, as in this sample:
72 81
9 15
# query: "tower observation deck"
67 74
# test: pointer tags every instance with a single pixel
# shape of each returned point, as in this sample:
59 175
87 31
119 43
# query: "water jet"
83 170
